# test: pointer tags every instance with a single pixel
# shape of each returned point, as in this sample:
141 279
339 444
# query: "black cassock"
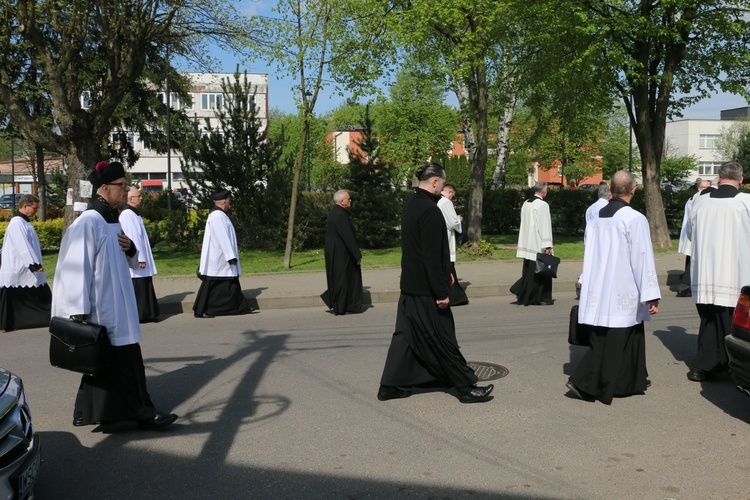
343 272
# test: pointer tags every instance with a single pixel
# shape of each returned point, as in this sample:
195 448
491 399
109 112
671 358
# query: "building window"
86 99
178 176
709 141
119 139
708 168
211 101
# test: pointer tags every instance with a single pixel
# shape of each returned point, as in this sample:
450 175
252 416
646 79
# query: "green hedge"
50 232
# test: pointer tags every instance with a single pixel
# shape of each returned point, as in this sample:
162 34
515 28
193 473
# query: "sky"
281 96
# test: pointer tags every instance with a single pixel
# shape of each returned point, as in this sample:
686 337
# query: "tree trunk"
81 160
41 183
295 194
503 146
478 100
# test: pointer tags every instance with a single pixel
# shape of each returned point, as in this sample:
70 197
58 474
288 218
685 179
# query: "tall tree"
657 58
734 144
96 63
235 154
314 41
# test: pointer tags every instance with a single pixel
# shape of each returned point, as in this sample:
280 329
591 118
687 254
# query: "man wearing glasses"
25 297
133 227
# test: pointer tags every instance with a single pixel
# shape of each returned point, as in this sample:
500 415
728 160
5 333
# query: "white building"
207 97
698 138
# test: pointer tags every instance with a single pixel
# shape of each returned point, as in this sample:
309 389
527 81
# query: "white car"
20 451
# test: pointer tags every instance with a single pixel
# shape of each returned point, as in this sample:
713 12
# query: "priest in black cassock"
25 297
619 291
343 259
143 283
423 347
220 293
92 283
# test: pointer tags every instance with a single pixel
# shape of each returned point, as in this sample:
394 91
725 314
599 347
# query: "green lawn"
171 263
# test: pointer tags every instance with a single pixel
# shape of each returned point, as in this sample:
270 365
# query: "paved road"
281 404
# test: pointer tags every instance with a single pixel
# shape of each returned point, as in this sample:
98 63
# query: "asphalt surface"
293 290
280 404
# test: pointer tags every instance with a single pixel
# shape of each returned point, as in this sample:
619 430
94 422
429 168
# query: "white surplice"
21 249
133 227
593 211
93 277
719 229
452 223
619 272
535 233
219 247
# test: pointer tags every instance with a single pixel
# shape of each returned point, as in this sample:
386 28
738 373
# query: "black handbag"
546 265
578 334
79 346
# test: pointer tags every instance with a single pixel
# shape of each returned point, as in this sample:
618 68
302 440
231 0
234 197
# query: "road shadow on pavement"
678 341
111 470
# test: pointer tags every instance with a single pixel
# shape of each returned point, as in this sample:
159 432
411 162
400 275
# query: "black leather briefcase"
79 346
546 265
578 334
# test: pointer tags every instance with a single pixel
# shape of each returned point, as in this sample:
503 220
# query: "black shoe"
685 293
204 316
546 302
78 421
475 394
578 393
648 383
697 375
387 392
159 421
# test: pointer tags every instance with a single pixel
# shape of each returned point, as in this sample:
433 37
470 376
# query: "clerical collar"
19 214
434 197
214 208
724 191
534 198
611 208
110 213
129 207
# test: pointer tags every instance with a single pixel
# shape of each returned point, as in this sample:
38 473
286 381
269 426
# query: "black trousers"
716 323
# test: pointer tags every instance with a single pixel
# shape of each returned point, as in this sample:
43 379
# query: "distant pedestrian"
453 224
25 297
619 291
719 231
534 236
604 194
343 259
684 246
423 347
133 227
92 283
220 293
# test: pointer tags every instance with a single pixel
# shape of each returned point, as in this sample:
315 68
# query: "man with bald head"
719 229
619 290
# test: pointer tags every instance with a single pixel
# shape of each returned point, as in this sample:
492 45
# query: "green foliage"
457 170
677 168
568 210
743 154
374 212
49 232
615 148
502 211
178 228
482 249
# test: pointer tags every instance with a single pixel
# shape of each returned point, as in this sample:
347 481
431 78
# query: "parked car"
6 200
20 449
738 342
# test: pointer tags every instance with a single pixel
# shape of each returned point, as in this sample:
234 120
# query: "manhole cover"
488 371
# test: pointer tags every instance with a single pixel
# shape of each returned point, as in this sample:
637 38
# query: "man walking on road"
220 293
423 348
534 236
719 230
343 259
133 227
619 290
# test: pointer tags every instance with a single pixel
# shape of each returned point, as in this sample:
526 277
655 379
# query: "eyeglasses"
121 184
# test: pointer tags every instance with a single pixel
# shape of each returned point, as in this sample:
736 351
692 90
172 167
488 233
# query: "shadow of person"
680 343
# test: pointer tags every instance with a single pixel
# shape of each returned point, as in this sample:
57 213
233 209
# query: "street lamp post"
169 146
